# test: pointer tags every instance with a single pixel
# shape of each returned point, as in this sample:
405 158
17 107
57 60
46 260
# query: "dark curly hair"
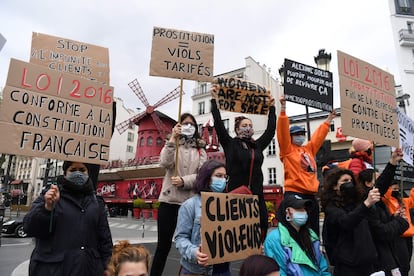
237 122
202 182
329 195
258 265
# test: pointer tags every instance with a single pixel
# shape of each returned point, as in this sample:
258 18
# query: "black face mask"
395 194
347 188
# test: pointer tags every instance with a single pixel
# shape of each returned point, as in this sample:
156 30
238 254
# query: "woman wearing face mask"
244 155
346 232
299 160
295 246
211 178
70 226
176 188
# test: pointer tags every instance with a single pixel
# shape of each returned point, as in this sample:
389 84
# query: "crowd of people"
367 225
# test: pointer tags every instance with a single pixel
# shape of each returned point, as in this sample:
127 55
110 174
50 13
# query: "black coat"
387 230
238 152
79 242
347 236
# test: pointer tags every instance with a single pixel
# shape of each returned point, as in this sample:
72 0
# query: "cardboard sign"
238 95
69 56
230 226
307 85
182 55
406 126
368 105
49 114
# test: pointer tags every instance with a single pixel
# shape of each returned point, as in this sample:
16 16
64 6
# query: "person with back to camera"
259 265
299 160
211 178
129 260
71 227
176 189
346 233
244 155
293 244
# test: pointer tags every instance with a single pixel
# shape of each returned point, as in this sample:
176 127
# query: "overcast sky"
268 31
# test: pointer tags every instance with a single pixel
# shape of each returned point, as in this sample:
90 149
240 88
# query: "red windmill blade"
136 88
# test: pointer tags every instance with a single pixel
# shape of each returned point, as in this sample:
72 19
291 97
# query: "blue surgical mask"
77 177
298 140
246 132
218 184
299 218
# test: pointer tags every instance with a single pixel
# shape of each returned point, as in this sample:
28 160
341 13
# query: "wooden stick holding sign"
230 226
178 120
238 95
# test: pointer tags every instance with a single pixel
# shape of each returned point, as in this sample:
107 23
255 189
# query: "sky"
267 30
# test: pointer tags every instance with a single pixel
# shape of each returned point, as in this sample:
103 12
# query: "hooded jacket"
299 161
76 240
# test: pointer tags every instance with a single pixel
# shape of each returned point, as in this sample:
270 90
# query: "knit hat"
361 144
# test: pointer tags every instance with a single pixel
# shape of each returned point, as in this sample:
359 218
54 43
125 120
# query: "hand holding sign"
52 196
202 258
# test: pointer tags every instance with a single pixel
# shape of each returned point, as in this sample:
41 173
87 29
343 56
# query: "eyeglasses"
219 175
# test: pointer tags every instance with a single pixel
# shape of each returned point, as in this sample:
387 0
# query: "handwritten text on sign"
69 56
307 85
406 125
368 105
230 226
238 95
54 115
181 54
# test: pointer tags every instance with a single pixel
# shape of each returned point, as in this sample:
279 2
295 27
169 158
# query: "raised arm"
222 133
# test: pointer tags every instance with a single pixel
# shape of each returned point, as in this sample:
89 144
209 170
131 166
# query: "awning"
16 182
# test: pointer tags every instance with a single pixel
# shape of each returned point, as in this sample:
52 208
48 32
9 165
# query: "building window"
130 149
203 88
130 137
404 5
201 108
141 142
159 141
226 123
272 175
271 150
149 141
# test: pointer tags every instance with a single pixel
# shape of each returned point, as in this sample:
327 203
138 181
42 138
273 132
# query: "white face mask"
188 130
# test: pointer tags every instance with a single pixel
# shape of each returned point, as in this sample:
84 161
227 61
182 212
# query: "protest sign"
230 226
69 56
406 126
368 105
307 85
2 41
182 55
238 95
49 114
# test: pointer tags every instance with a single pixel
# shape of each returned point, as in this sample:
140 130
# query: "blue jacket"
292 260
187 238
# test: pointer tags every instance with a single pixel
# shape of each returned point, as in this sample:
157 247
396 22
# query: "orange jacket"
298 162
393 205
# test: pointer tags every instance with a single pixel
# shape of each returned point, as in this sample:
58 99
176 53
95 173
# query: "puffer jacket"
76 240
190 160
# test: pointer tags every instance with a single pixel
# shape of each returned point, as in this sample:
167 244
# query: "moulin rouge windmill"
146 124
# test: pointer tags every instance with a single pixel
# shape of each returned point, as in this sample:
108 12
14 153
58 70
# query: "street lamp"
323 60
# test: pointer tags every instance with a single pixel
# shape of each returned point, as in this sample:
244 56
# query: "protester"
244 155
299 160
129 260
397 204
71 227
211 178
259 265
361 158
293 244
176 188
346 232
